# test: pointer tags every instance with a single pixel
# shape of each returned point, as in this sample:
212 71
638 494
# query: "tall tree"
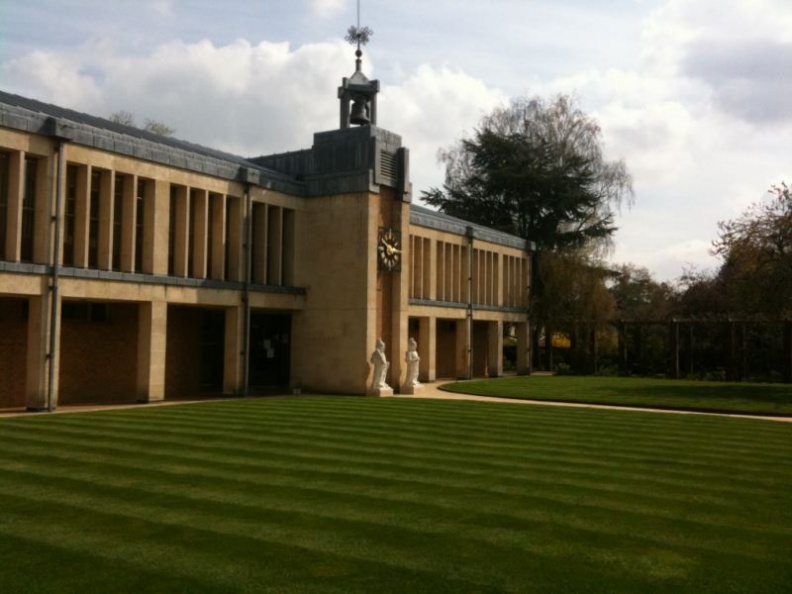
536 169
757 252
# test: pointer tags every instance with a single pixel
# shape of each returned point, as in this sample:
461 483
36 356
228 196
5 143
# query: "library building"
136 267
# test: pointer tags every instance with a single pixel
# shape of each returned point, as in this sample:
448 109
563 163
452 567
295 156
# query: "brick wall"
183 358
445 363
98 361
13 352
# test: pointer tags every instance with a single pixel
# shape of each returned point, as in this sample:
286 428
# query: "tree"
536 169
757 252
128 119
579 304
638 296
122 117
702 294
156 127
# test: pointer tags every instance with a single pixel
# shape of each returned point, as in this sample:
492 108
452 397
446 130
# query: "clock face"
389 250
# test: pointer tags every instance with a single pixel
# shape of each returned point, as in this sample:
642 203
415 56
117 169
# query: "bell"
359 114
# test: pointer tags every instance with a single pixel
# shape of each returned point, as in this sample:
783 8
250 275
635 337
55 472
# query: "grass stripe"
174 507
622 458
361 495
621 483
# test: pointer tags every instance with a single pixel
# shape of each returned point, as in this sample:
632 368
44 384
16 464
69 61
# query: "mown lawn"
355 495
766 399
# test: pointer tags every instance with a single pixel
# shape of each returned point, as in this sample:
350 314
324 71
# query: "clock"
389 249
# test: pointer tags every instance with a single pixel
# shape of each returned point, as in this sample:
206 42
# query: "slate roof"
424 217
35 116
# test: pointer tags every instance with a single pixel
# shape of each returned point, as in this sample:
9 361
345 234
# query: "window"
29 209
140 221
70 215
118 219
93 222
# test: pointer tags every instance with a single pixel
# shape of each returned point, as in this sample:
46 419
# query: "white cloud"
702 124
431 109
52 77
253 99
327 8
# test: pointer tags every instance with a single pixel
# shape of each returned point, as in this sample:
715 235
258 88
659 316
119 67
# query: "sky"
694 95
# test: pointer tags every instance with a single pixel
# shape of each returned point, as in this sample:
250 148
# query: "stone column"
217 249
45 210
432 262
16 193
463 348
500 273
156 228
200 215
524 358
152 344
234 239
38 337
128 223
495 349
232 366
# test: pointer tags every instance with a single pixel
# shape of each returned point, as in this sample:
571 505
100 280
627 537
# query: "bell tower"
354 237
358 94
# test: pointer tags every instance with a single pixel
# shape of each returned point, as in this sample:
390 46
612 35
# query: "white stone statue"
412 359
381 365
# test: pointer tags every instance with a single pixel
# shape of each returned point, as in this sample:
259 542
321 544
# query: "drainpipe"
55 288
246 298
469 235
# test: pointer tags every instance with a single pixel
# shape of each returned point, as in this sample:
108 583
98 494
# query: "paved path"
429 390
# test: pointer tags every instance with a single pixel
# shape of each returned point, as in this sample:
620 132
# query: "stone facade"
135 267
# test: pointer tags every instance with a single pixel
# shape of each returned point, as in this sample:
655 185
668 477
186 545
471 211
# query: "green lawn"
355 495
766 399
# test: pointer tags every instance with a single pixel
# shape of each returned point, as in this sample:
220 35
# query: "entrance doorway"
270 350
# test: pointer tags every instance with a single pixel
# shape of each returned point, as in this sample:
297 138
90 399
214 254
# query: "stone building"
136 267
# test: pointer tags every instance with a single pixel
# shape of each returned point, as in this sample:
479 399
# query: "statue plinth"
412 390
381 391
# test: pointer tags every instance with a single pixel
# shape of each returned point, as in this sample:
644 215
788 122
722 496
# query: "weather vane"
357 35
